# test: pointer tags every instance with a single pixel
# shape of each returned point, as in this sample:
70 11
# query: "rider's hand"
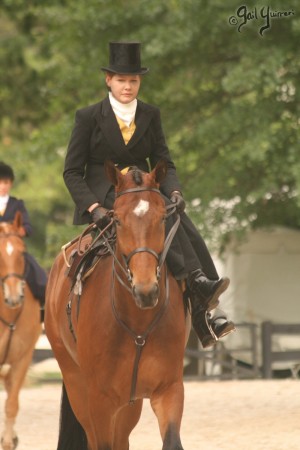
100 217
177 198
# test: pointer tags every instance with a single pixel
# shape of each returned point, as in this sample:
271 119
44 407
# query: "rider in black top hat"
129 132
9 206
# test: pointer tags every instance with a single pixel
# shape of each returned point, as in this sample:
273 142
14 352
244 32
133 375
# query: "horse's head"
139 215
12 263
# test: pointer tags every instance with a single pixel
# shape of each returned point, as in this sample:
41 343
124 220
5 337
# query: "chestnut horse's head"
12 263
139 215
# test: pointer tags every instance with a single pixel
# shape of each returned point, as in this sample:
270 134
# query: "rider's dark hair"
6 172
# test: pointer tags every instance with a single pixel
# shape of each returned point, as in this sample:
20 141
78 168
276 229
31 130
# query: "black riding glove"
100 217
177 198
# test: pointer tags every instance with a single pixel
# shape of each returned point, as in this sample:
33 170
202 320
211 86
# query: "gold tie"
126 131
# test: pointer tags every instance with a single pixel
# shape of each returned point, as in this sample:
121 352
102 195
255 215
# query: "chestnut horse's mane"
137 175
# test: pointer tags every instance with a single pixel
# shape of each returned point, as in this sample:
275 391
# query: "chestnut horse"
20 325
128 329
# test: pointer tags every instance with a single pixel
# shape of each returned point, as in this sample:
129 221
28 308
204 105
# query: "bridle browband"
138 189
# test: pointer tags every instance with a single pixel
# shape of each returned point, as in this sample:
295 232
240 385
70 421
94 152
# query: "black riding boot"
204 296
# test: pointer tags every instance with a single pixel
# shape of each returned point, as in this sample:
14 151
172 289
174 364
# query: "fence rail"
270 356
223 359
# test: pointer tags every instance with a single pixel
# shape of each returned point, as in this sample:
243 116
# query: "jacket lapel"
110 128
142 120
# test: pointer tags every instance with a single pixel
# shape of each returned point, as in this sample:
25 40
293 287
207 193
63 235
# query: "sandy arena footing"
218 415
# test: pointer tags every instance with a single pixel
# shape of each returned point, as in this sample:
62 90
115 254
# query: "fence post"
266 331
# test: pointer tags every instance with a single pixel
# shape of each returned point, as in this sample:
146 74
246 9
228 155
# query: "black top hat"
124 58
6 172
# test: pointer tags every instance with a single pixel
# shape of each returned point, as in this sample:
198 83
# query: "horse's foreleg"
103 411
10 411
13 383
9 439
126 420
168 407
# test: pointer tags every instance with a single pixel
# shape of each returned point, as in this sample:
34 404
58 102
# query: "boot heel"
203 329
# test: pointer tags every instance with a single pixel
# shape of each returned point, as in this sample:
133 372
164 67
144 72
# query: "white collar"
125 111
3 200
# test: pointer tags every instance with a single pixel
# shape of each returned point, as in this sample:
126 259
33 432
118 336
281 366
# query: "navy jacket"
96 137
14 205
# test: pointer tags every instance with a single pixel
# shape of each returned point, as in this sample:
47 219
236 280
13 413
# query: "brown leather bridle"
11 325
160 257
140 339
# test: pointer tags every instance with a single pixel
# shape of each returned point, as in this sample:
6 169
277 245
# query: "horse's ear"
18 224
18 220
160 170
112 172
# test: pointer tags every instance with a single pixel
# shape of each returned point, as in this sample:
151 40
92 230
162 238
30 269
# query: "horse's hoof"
10 446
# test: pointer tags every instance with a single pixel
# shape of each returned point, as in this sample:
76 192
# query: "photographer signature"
264 13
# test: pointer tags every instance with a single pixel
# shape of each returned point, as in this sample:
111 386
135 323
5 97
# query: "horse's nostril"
146 297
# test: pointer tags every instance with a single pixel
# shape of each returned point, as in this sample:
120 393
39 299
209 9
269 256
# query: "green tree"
229 102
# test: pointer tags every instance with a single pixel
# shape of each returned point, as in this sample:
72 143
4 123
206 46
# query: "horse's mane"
137 175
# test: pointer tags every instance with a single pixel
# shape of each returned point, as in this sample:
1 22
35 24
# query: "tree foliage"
229 102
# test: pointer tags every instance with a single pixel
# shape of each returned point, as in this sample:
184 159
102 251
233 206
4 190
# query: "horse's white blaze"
141 208
9 248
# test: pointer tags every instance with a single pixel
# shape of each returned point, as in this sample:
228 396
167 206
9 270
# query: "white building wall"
265 281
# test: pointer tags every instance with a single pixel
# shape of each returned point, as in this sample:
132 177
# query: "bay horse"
20 325
126 338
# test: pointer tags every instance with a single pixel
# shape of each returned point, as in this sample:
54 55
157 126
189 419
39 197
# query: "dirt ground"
218 415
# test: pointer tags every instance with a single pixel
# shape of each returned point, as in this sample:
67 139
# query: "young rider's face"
124 88
5 186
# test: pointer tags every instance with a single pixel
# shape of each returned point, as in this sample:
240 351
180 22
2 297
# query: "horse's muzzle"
146 297
14 295
14 302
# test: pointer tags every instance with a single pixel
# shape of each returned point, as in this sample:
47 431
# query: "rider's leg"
189 258
36 278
